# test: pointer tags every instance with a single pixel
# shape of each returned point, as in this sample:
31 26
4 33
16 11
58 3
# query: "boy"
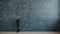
17 20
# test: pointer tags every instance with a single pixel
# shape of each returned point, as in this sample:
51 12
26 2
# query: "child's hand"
17 17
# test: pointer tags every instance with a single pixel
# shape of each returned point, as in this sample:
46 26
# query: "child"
17 20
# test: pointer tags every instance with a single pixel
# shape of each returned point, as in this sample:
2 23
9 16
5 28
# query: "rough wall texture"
7 15
36 15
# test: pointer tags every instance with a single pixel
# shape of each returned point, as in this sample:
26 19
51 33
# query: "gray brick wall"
36 15
7 15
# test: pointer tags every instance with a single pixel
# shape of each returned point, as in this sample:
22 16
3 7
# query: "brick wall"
36 15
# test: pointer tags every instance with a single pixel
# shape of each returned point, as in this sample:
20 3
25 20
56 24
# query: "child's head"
17 17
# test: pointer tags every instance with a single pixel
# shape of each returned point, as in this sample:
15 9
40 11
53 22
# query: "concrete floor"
30 33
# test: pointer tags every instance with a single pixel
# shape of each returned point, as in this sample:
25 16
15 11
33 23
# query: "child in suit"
17 20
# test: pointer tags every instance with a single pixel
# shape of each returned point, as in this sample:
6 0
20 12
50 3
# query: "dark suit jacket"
18 25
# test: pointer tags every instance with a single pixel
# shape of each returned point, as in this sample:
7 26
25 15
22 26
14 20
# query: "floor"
30 33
